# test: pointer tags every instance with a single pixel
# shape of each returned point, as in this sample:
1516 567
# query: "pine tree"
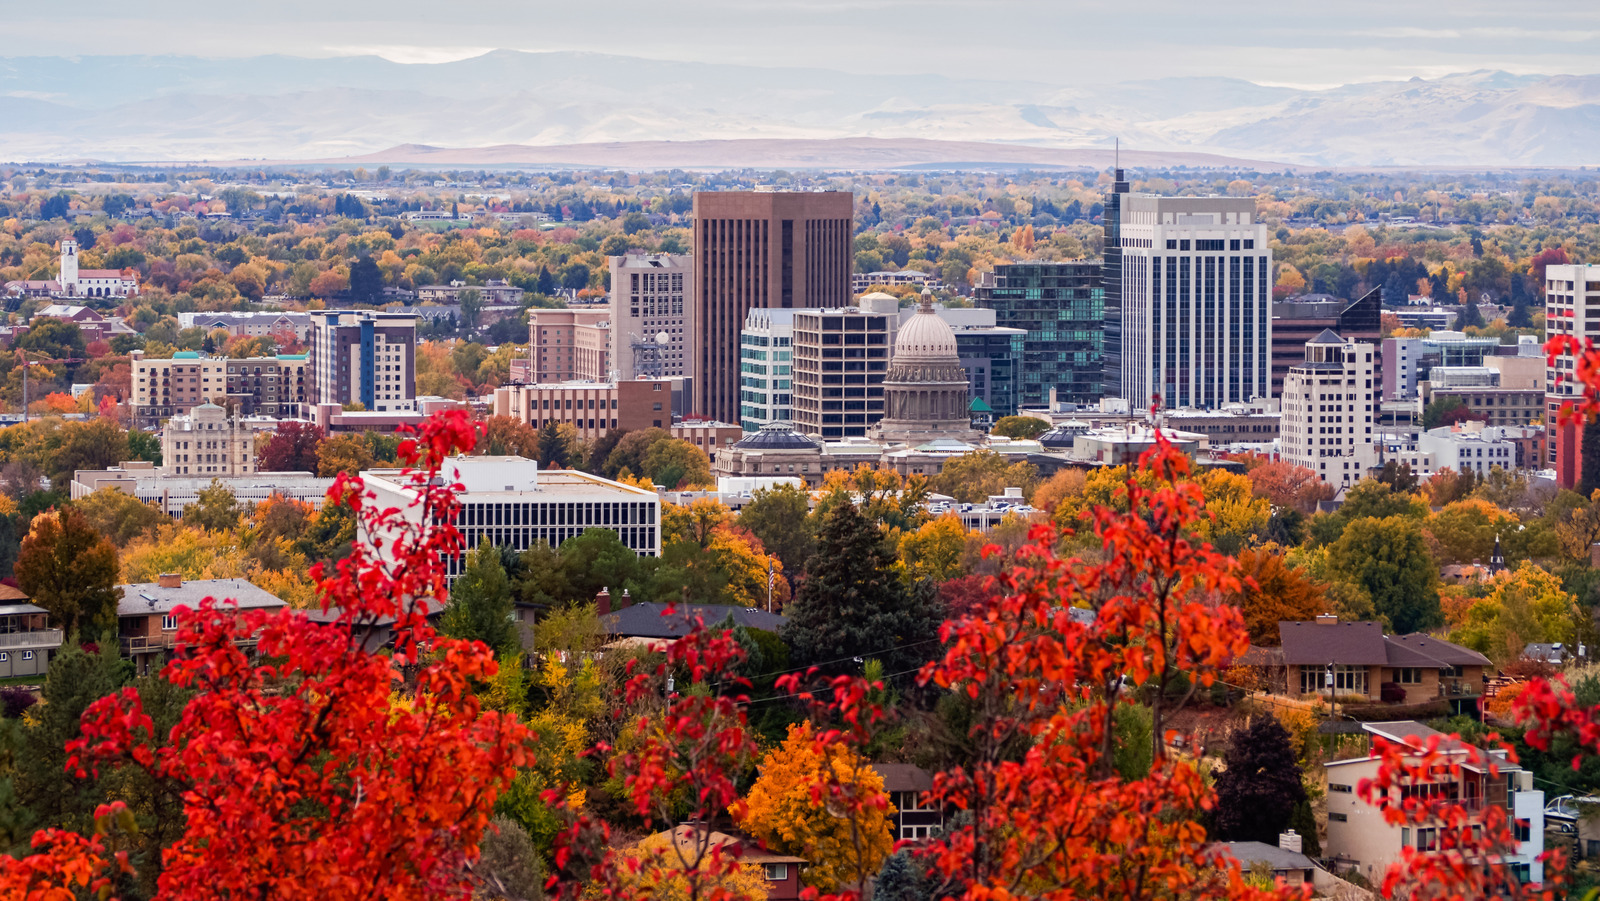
52 794
555 452
1304 822
480 603
851 603
1258 792
903 878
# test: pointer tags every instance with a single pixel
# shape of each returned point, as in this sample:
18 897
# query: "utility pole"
770 577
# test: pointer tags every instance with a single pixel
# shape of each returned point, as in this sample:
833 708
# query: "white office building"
1572 307
1328 402
510 503
650 296
1196 301
766 360
1465 447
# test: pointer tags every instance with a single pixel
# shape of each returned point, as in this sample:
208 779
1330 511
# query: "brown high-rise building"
759 249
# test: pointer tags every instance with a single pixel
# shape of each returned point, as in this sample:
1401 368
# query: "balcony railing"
39 638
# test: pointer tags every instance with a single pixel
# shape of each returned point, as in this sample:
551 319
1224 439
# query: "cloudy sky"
1062 41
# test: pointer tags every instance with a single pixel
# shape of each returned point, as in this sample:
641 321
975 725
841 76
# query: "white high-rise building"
1196 305
365 357
1570 289
1327 411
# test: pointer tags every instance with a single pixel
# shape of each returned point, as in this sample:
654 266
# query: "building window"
1408 675
4 657
777 872
1338 817
28 655
169 623
1336 787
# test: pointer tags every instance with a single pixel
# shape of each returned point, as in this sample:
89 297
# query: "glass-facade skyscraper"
1061 307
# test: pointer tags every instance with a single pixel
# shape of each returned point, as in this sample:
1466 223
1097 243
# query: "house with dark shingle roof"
648 619
1360 660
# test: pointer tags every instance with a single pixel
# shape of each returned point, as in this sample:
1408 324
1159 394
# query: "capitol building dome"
925 392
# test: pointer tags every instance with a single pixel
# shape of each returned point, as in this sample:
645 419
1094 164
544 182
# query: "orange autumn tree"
318 769
1271 592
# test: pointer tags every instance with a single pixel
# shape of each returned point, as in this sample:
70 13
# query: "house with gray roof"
649 619
147 621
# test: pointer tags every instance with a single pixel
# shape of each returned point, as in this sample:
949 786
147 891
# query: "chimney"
170 580
602 602
1327 619
1291 841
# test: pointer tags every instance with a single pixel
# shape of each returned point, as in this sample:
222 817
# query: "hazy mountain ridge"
163 108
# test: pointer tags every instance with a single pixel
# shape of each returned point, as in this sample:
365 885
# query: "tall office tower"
1111 282
363 357
651 294
1062 308
1328 401
841 356
759 249
1294 322
1196 301
1569 289
766 355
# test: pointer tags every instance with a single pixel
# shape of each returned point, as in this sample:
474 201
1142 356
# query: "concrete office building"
766 360
1327 411
759 249
1062 310
1572 308
651 296
1195 307
567 344
208 442
1296 321
1501 394
592 408
253 386
363 357
508 502
1408 361
840 359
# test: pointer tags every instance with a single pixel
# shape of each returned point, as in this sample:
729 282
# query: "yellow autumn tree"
1234 515
933 551
782 812
194 554
661 866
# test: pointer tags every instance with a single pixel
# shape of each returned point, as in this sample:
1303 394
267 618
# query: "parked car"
1565 811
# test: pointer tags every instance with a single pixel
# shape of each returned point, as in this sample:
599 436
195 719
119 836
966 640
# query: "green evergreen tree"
1304 821
554 450
480 603
1258 792
53 795
851 603
903 878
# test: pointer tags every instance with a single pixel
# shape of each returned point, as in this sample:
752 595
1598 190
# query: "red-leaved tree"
318 769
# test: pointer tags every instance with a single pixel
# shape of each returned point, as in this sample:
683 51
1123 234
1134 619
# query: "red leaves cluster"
323 769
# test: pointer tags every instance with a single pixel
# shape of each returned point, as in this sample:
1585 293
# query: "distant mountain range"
164 108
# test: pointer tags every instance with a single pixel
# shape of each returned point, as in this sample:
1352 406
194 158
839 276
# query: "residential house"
27 643
147 621
1293 867
1359 661
648 619
913 817
1360 838
782 871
